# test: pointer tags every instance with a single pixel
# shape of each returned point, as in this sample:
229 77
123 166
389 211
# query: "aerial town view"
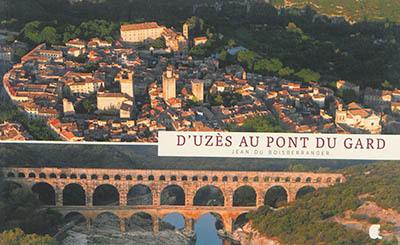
126 82
89 90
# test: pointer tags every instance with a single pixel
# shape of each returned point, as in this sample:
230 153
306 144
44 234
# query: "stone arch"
139 195
195 178
240 221
93 176
75 217
106 195
167 221
21 175
209 195
162 178
308 179
73 176
210 232
276 196
204 178
106 177
83 176
74 195
184 178
42 175
63 176
107 221
214 179
32 175
304 191
117 177
173 178
45 193
244 196
128 177
150 177
225 179
172 195
140 221
52 176
298 179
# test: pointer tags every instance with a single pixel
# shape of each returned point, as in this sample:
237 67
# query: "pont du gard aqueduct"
123 193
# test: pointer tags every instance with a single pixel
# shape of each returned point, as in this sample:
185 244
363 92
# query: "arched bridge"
92 192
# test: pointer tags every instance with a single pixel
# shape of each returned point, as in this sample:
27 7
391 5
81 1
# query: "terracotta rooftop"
139 26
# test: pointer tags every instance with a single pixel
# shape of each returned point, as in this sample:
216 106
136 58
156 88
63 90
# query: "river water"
204 227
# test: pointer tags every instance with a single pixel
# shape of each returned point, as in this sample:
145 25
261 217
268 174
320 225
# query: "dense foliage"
307 220
18 237
259 124
351 9
20 208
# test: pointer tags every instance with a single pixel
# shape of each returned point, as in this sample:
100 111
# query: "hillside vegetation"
353 10
308 220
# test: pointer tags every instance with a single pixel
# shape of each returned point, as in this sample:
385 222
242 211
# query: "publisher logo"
374 231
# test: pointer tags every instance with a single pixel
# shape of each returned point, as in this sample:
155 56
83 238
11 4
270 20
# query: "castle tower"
198 89
126 82
186 30
169 83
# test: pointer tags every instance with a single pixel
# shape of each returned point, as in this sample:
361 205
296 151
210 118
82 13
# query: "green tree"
308 75
31 32
158 43
49 35
247 58
268 65
285 72
261 124
20 208
18 237
198 51
386 85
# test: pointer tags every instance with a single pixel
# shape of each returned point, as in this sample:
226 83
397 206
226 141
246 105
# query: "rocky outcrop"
247 235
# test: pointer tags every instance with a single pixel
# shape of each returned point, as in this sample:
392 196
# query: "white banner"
279 145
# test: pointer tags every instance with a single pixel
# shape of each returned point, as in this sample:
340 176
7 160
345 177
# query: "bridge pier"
122 225
89 224
156 197
89 197
123 195
189 222
156 225
59 197
228 200
228 224
260 198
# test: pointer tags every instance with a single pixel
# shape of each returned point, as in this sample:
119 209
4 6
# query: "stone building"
68 107
141 32
110 101
198 89
169 83
357 119
125 79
